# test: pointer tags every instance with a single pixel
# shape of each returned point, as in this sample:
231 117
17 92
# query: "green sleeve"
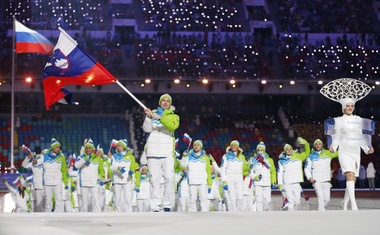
272 170
302 156
246 168
138 178
109 171
100 169
177 166
170 120
134 165
331 155
208 170
64 170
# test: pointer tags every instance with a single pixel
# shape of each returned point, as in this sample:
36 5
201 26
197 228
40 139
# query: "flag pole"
13 95
129 93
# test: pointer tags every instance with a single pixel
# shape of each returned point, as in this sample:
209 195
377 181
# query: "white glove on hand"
156 116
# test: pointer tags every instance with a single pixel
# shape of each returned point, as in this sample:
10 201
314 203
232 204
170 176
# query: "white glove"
156 116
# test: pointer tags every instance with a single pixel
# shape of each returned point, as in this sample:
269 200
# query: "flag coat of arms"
70 65
30 41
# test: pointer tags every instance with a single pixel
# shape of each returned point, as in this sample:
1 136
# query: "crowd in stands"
350 57
198 15
71 14
324 16
168 54
214 52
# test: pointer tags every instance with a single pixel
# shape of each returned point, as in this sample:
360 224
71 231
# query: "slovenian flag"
186 138
70 65
30 41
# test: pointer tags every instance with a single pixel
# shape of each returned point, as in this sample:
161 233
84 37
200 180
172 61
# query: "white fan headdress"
345 90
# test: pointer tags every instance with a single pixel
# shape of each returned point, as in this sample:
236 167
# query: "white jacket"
37 171
318 167
160 142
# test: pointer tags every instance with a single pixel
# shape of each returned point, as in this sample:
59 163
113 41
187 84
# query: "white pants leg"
183 203
85 199
40 200
154 166
193 190
119 197
203 198
259 198
128 196
95 199
322 189
168 173
102 197
293 193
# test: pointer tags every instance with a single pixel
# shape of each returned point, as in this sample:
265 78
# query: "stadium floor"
305 221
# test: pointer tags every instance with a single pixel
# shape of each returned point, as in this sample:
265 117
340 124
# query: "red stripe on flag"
27 47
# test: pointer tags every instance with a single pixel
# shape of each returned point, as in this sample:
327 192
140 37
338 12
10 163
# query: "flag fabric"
70 65
262 161
70 161
29 179
17 181
176 143
25 149
67 97
114 143
186 138
30 41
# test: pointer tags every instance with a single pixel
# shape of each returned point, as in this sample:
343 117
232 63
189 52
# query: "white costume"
349 133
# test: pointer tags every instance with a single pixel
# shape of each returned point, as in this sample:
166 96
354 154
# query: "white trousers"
161 167
263 197
39 196
143 205
123 197
194 190
322 189
235 194
86 191
57 190
293 193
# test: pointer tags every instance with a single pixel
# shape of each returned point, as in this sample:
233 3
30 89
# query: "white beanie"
165 96
199 142
261 146
346 101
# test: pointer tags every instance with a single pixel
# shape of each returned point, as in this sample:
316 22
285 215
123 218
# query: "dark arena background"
249 70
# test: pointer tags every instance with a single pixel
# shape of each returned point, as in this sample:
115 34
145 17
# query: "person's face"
88 150
120 148
143 171
234 148
260 151
289 151
99 154
165 103
55 149
349 109
318 146
197 147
